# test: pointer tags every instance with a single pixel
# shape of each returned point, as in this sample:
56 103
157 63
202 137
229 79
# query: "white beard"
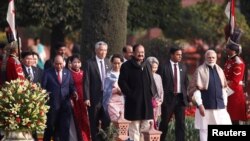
210 64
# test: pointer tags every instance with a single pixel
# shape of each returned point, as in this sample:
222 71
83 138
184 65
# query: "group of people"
83 101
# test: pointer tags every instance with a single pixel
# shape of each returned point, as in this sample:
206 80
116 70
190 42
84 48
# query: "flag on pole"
230 13
11 18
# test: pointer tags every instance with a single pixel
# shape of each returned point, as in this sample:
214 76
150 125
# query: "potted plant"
23 109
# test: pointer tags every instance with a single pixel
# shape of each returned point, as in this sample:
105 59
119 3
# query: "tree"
245 9
104 20
61 16
199 21
152 13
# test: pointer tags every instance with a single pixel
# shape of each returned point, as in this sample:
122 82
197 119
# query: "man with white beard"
208 92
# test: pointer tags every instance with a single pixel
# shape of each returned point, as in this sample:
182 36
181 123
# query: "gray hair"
209 52
152 60
97 45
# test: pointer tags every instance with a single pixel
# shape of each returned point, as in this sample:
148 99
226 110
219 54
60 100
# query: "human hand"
87 102
76 96
72 103
202 110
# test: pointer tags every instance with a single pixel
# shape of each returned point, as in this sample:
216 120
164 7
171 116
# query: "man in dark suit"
175 83
59 83
95 73
31 73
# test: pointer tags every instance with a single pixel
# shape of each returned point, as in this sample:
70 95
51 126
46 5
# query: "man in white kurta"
208 91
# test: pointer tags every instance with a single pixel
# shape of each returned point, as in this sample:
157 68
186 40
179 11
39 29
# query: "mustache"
140 55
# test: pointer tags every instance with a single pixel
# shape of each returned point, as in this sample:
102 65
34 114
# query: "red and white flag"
11 18
230 13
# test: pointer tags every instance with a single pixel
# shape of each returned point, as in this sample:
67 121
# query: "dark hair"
116 56
136 46
74 56
173 49
124 49
26 53
59 45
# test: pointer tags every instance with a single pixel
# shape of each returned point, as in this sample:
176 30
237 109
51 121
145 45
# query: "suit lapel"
180 69
64 75
55 75
169 68
106 65
34 74
96 67
24 71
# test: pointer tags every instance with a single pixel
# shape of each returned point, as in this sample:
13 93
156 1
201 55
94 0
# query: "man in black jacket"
137 85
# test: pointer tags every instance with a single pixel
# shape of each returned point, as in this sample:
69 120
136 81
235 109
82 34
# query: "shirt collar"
98 59
172 63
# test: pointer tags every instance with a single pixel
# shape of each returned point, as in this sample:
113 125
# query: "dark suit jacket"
59 94
38 73
168 82
92 81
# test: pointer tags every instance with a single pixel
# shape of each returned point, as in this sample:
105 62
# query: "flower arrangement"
23 106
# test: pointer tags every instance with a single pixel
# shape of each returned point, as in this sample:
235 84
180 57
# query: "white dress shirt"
178 75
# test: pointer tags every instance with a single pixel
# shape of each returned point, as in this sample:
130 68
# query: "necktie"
59 77
30 74
102 72
175 78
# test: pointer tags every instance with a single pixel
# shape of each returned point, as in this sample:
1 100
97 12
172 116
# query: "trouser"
136 127
203 134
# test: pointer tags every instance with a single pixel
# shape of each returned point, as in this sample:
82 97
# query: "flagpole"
18 44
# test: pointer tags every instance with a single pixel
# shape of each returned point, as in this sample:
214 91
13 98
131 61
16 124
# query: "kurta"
135 82
234 71
80 109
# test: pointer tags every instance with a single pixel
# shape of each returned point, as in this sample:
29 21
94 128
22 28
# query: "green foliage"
191 134
158 48
245 9
204 20
110 134
46 13
152 13
49 13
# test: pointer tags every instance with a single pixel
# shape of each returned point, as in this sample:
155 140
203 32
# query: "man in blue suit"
59 83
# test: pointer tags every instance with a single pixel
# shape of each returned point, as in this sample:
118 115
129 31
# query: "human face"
28 60
76 64
154 67
129 52
35 60
177 56
139 53
101 51
58 63
61 51
211 58
230 52
116 64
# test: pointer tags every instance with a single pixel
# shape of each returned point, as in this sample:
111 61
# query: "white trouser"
135 128
203 134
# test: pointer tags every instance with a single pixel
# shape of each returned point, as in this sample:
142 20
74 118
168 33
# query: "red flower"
190 111
41 113
18 119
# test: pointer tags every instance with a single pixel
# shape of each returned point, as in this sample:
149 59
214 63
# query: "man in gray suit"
95 73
